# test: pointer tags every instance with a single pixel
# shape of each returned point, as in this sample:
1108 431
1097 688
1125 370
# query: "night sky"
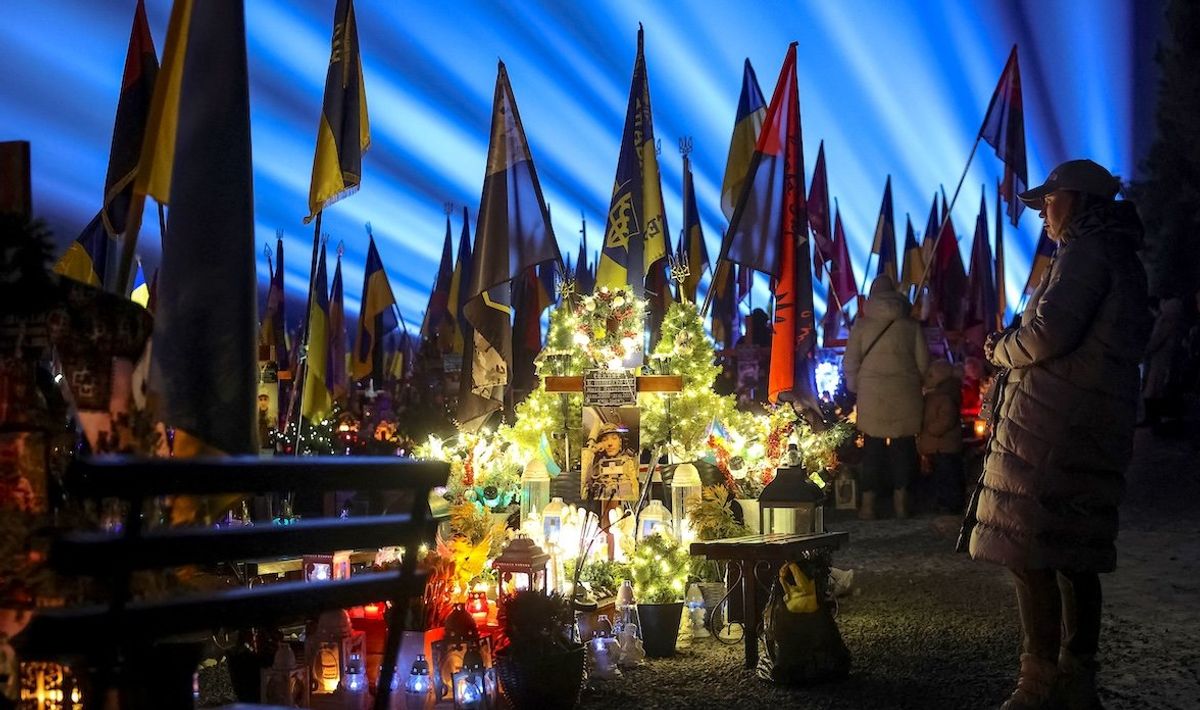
892 87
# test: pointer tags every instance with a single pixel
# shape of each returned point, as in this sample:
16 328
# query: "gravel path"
929 628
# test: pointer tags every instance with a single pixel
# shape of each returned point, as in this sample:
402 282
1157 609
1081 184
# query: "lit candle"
477 605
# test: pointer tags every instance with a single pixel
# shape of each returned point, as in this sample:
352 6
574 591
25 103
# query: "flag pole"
949 211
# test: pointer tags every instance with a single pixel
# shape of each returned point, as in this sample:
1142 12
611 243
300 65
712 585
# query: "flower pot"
660 627
714 594
749 508
546 682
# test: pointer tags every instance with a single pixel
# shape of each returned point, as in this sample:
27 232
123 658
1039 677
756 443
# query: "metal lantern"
285 683
791 503
419 685
685 488
354 684
654 516
330 648
470 683
521 566
535 488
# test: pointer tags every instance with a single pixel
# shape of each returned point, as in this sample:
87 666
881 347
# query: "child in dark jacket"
941 435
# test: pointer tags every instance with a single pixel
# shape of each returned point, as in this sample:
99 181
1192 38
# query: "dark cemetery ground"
929 628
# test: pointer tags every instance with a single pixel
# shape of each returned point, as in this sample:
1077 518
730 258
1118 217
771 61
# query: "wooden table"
747 552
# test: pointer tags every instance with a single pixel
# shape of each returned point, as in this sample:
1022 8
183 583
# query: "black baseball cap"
1079 175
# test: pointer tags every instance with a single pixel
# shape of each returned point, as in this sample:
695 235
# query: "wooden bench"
129 645
751 552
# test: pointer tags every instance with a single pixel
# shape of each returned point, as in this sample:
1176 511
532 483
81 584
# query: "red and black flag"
980 317
841 272
439 324
818 213
884 244
129 129
769 233
947 281
1001 294
1004 129
344 132
512 234
532 297
842 289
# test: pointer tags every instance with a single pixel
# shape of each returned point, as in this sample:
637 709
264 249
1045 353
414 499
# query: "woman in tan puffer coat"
1054 471
884 365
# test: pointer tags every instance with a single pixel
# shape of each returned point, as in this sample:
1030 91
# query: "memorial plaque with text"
608 388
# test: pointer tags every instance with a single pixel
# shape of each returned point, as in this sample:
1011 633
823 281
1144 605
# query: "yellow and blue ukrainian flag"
438 326
884 244
85 260
751 112
1042 257
344 132
141 288
635 235
460 281
692 246
913 272
376 318
317 403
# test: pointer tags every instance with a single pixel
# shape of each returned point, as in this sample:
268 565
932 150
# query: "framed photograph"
609 457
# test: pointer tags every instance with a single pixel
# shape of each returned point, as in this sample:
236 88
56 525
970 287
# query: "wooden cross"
660 384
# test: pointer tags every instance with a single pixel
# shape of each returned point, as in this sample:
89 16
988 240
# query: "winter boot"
1034 686
866 509
1075 687
900 502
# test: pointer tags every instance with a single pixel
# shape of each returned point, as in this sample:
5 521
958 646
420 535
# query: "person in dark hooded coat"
1054 472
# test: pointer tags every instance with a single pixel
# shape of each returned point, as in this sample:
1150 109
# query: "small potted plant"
660 575
713 519
541 667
